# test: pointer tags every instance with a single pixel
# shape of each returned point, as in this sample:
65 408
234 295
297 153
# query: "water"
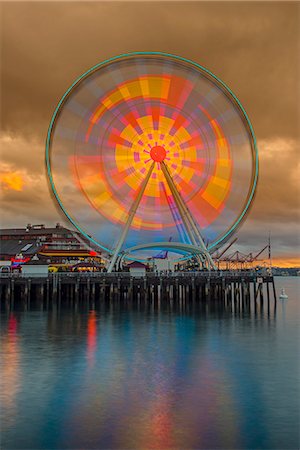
151 378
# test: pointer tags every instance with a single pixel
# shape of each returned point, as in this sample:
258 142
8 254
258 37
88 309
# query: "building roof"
136 264
35 230
14 247
35 238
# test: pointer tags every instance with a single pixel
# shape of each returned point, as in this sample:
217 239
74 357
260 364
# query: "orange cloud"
12 181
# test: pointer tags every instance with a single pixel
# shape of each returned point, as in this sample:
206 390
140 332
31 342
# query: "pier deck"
191 286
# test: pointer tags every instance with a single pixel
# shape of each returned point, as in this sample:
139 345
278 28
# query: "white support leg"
186 215
180 208
131 215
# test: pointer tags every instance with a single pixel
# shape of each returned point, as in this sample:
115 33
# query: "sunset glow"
287 262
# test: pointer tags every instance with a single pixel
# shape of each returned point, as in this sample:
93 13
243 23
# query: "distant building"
137 269
163 264
58 245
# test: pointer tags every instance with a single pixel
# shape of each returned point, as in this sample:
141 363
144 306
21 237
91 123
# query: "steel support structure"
186 216
131 215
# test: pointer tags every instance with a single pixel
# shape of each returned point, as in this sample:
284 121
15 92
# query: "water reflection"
91 337
146 376
10 370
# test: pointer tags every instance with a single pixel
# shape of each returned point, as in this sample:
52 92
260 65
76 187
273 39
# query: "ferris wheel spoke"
187 218
131 215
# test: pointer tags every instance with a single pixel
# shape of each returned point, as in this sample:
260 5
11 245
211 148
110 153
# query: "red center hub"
158 153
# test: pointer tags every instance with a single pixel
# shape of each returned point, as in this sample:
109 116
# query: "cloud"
254 235
26 197
277 197
11 180
252 46
22 152
275 208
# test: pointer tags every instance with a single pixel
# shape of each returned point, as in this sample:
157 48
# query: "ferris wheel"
151 150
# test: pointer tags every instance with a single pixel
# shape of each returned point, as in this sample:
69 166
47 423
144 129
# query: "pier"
228 288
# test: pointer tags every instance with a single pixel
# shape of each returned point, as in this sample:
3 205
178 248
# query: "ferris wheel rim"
227 90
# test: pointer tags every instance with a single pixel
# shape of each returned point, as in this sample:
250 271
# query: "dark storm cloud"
253 47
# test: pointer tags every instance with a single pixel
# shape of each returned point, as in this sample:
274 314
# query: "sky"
253 47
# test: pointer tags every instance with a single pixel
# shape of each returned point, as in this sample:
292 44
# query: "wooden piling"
274 289
228 289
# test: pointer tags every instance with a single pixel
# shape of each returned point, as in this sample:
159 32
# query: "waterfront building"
137 269
35 268
57 245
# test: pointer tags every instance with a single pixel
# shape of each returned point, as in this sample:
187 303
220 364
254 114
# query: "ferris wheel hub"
158 153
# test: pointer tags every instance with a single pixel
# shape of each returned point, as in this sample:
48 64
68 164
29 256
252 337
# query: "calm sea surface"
151 378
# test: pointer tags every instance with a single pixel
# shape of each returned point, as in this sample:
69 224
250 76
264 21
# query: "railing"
114 275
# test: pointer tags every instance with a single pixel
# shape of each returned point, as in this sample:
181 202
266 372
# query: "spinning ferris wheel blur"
148 146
